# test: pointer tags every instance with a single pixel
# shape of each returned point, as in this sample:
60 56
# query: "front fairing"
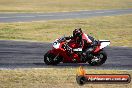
56 44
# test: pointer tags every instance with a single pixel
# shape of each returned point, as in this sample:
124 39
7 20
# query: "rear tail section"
103 44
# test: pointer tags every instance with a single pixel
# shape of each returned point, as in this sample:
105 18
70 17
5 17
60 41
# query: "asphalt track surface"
29 17
20 54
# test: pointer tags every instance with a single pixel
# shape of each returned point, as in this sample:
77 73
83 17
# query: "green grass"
117 29
53 78
61 5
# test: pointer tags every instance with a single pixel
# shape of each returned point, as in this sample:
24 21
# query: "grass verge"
117 29
61 5
53 78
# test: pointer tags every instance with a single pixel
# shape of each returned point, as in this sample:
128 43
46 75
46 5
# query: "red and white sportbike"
67 52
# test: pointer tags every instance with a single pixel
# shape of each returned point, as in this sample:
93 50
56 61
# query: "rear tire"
103 57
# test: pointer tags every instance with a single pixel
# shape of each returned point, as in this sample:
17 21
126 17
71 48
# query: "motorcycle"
61 52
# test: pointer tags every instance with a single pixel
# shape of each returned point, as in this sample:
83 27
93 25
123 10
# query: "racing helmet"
77 33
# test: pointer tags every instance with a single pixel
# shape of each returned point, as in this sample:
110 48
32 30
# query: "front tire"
102 56
49 59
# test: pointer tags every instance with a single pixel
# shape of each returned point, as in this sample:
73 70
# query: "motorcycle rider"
81 39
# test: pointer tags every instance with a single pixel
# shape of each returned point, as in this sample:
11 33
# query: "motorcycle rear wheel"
102 56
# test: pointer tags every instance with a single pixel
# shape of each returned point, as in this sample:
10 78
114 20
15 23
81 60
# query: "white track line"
67 14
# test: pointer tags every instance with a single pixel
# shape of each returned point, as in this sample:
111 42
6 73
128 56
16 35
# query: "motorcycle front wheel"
98 59
49 59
